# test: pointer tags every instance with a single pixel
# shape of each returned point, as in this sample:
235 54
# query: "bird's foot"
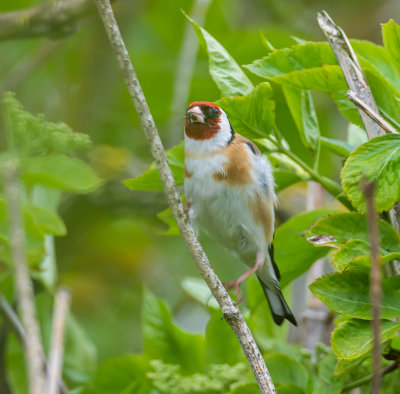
260 260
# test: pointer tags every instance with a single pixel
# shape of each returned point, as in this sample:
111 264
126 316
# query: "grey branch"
358 84
23 284
374 115
230 310
375 283
61 306
351 69
51 18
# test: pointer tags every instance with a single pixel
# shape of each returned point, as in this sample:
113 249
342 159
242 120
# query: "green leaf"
226 73
251 115
340 148
297 259
354 254
344 367
345 226
301 107
246 388
391 39
47 221
198 289
327 382
284 369
60 172
285 178
164 340
353 338
219 338
378 160
288 388
125 375
150 179
348 293
309 66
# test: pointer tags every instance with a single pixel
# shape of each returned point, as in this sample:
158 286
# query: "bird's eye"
211 112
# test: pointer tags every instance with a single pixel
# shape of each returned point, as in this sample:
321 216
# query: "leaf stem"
331 186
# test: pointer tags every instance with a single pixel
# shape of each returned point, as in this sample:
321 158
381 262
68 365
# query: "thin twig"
367 379
61 306
375 283
351 69
374 115
23 284
185 69
16 327
230 310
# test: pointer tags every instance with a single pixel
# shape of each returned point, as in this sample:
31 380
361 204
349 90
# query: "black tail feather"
277 304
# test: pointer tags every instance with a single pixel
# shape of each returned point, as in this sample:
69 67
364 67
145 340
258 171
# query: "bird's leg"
187 207
260 260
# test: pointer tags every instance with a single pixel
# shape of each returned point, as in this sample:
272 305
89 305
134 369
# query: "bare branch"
23 284
230 310
358 84
375 283
15 325
351 69
61 306
374 115
51 18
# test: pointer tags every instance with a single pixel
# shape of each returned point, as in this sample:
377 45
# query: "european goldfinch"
229 190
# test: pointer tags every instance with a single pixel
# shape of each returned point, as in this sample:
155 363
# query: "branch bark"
51 18
23 284
358 84
230 310
61 307
375 283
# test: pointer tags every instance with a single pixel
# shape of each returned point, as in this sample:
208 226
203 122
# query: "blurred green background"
114 244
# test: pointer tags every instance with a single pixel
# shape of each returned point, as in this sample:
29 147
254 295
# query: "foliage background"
114 244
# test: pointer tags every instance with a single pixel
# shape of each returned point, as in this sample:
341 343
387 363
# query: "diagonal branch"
230 310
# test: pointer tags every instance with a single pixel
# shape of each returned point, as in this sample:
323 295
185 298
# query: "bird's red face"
202 120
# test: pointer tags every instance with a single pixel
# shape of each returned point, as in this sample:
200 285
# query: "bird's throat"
201 131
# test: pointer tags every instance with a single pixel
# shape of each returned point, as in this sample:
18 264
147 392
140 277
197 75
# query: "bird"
229 189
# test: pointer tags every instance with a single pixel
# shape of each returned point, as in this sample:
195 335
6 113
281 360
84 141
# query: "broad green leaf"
327 382
345 226
391 39
379 161
220 337
47 221
355 254
309 66
344 367
378 60
301 107
340 148
246 388
353 338
284 369
288 388
285 178
198 289
226 73
126 374
348 293
60 172
165 341
150 179
253 114
297 259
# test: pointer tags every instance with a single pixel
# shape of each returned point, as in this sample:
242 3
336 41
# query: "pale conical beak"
195 115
